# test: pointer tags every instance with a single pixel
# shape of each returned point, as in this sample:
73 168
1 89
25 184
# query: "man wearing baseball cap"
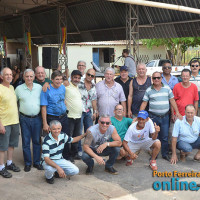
137 137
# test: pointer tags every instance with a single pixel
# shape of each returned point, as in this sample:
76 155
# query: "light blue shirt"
186 132
172 81
29 100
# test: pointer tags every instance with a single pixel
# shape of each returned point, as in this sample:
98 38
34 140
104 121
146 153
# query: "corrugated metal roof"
104 20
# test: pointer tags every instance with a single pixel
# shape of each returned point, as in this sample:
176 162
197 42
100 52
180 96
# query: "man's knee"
74 170
157 144
115 150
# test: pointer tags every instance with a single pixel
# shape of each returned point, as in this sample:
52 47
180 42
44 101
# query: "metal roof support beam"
132 29
62 23
26 20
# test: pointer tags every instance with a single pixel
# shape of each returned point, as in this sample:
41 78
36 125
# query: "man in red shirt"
185 93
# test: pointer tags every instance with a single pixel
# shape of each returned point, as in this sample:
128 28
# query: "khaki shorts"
144 145
10 138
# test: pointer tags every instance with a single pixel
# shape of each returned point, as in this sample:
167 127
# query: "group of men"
61 111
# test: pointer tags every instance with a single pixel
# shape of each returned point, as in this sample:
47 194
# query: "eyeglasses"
167 67
194 65
107 123
90 75
154 78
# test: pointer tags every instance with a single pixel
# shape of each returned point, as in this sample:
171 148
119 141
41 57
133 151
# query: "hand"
45 86
130 115
174 159
173 118
100 160
2 129
133 156
101 147
61 172
46 128
179 116
94 116
157 128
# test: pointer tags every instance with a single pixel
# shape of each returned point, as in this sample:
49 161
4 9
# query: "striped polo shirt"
196 81
158 100
53 148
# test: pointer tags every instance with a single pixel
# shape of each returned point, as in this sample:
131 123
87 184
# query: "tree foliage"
175 47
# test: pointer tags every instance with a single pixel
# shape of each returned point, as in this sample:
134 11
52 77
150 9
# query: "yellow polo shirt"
73 101
8 106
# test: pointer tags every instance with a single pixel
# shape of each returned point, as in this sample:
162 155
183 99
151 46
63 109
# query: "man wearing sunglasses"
167 78
89 97
195 78
97 143
159 96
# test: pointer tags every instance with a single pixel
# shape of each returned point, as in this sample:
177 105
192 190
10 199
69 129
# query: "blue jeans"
163 122
86 121
112 152
68 167
188 147
30 129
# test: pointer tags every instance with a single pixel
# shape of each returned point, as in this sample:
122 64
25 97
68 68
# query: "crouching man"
97 144
137 137
52 148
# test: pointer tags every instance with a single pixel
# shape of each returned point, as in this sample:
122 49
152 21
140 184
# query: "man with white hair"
53 145
40 76
109 94
9 124
28 95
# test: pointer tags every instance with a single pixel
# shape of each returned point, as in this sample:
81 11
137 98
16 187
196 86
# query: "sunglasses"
90 75
107 123
194 65
154 78
165 67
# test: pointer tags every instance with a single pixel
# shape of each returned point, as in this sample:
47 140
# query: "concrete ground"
133 182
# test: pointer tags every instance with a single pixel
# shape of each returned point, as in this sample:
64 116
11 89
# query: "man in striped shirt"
52 148
159 96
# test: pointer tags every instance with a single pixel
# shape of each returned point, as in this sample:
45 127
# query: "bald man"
89 97
9 124
40 76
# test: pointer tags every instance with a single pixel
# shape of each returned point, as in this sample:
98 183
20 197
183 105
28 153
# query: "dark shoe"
77 157
39 167
89 170
13 167
56 175
5 173
111 170
166 158
27 168
50 181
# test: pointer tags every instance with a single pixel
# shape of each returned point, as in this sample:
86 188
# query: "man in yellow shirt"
75 108
9 124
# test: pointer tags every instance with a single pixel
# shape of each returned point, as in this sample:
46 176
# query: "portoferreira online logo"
175 183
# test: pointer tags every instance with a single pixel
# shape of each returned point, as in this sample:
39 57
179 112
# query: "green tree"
175 47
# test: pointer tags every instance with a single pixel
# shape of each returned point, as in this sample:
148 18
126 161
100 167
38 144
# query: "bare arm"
89 151
130 99
94 107
80 137
174 158
196 106
173 104
2 128
54 165
44 119
143 105
45 86
132 155
124 105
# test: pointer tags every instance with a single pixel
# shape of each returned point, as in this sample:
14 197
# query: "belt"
29 116
161 116
56 117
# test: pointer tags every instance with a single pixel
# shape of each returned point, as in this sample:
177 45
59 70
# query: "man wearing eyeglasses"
167 78
195 78
89 97
97 143
159 96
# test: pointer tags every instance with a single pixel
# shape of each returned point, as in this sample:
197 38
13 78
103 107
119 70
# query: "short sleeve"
170 94
43 98
146 96
45 150
176 128
151 126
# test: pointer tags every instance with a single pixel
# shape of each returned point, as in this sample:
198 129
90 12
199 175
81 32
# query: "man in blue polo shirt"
159 96
185 136
53 145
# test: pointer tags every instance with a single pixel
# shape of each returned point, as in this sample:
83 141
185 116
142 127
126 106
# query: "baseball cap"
123 68
143 114
76 72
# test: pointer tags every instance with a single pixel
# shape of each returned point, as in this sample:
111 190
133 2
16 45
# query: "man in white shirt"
137 137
